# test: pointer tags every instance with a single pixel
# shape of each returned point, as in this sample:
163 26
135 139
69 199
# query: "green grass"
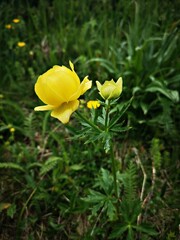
44 172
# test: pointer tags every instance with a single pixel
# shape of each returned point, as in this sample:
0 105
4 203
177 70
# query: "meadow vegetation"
52 184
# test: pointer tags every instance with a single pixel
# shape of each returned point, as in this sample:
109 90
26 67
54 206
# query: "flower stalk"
114 171
89 122
107 115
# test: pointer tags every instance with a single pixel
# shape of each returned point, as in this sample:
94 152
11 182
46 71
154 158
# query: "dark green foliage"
44 173
103 200
155 153
130 209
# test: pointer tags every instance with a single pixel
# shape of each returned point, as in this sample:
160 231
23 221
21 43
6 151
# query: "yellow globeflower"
12 130
110 89
93 104
16 20
60 89
8 26
21 44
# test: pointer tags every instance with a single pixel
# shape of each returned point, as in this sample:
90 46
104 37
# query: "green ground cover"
53 185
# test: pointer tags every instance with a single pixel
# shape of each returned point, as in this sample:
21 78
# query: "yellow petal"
71 65
72 73
85 85
64 112
93 104
119 83
110 89
118 89
64 81
46 93
57 85
75 95
44 108
98 85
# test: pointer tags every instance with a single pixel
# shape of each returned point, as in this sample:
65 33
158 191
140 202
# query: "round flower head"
16 20
8 26
21 44
110 89
59 88
93 104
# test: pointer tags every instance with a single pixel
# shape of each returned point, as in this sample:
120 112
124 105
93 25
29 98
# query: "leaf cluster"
104 126
130 209
103 200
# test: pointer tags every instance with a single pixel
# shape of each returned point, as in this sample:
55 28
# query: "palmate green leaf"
85 124
101 120
95 197
120 129
100 201
106 181
97 208
118 231
93 136
130 212
146 229
130 235
111 210
121 109
104 198
82 133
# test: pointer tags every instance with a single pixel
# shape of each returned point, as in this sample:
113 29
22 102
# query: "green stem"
107 115
22 211
114 177
89 122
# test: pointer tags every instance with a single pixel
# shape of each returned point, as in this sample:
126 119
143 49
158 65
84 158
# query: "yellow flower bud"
21 44
93 104
60 89
16 20
12 130
110 89
8 26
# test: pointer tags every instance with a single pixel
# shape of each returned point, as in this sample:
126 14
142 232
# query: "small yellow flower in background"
8 26
12 130
93 104
16 20
110 89
60 88
5 206
21 44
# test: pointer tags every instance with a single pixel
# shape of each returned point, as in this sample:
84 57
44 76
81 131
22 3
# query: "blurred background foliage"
44 173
